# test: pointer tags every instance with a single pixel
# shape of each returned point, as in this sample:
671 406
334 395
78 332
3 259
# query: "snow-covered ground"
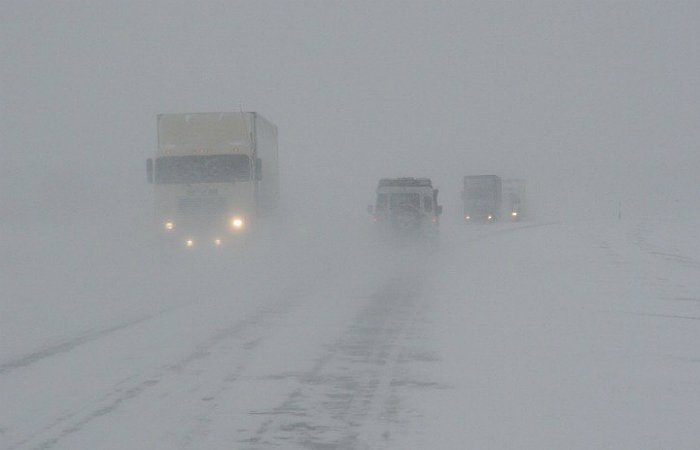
534 335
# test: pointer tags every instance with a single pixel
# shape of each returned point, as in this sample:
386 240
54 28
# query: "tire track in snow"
71 344
250 330
341 402
649 314
119 395
338 402
671 254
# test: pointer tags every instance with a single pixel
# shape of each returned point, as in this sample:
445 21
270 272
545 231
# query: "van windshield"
202 169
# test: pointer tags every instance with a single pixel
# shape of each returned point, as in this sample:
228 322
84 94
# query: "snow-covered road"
515 336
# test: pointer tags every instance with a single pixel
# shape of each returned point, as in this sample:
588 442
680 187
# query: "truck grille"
202 205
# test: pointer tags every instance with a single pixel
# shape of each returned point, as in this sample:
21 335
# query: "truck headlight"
169 225
237 223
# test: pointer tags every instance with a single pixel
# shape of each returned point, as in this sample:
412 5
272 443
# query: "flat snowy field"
515 336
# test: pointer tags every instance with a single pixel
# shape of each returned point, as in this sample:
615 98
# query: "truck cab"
514 201
481 198
406 207
209 185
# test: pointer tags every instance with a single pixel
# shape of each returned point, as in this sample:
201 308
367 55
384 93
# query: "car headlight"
490 217
514 214
217 242
189 243
169 225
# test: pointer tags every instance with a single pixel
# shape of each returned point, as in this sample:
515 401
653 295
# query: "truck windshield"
402 200
480 192
202 169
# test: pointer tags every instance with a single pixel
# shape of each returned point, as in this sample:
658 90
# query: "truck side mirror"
258 169
149 170
438 210
370 209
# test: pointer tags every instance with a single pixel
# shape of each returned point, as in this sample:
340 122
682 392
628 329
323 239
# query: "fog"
594 104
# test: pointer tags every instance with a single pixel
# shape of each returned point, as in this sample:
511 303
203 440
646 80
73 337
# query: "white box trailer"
214 175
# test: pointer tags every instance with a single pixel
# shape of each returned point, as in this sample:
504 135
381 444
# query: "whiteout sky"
592 102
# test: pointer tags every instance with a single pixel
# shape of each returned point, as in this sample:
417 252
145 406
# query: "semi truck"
481 198
514 201
406 207
214 175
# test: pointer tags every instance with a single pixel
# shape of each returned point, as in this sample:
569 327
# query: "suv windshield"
202 169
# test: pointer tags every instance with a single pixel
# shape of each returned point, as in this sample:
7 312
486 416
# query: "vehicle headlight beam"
237 223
